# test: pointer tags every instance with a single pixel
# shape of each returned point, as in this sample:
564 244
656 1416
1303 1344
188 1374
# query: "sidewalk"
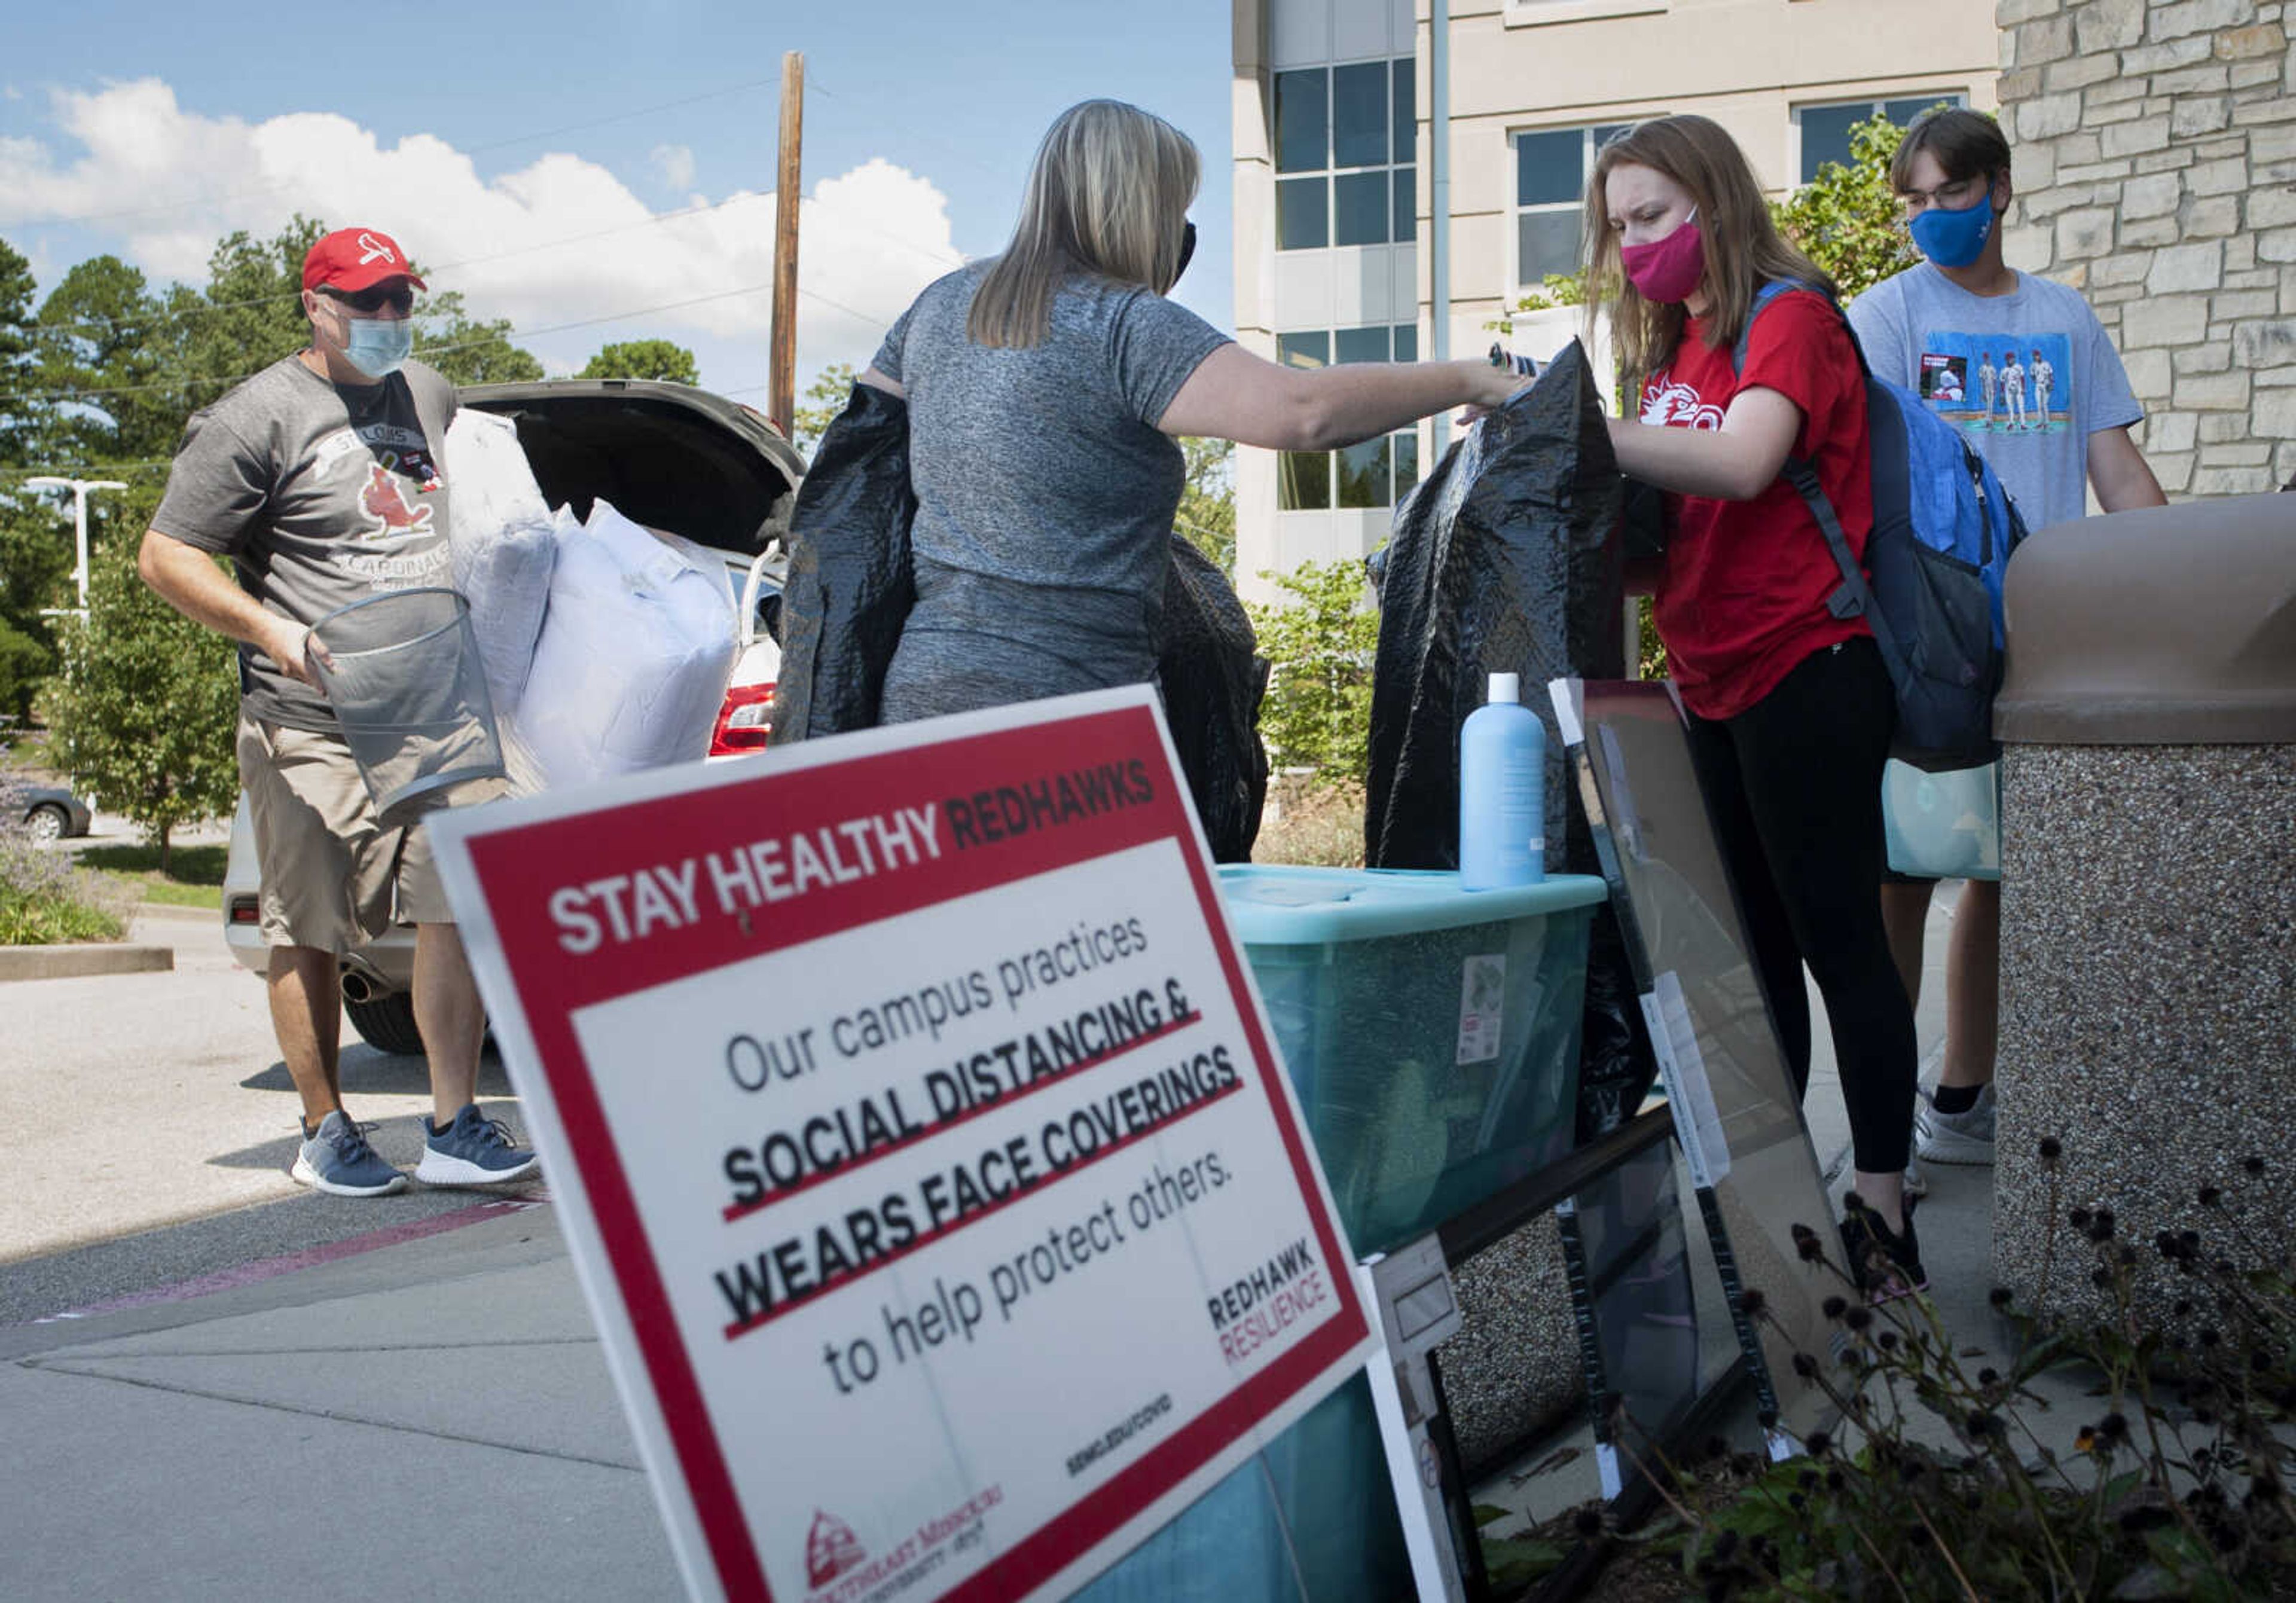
426 1411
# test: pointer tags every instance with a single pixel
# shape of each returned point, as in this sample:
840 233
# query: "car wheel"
46 823
387 1024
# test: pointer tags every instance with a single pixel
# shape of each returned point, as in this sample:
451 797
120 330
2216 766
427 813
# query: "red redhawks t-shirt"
1742 597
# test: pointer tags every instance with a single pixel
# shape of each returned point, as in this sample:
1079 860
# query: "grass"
194 876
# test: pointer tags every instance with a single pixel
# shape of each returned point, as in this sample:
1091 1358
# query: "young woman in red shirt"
1790 707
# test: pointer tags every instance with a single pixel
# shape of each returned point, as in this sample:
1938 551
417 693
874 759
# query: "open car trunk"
666 455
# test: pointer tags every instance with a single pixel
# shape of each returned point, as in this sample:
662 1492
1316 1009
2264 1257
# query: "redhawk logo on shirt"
1667 401
383 498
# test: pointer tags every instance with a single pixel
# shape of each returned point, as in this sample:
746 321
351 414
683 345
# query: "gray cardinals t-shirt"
321 496
1044 494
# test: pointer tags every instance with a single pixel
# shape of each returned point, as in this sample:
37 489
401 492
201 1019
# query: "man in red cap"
319 478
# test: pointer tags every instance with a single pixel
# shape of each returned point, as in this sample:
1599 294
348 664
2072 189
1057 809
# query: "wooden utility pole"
782 381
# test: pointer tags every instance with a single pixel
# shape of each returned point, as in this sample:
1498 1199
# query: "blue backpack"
1943 530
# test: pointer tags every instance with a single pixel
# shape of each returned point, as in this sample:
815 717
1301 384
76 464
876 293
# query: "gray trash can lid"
2171 626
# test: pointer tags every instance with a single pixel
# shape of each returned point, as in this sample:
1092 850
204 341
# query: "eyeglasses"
398 297
1955 196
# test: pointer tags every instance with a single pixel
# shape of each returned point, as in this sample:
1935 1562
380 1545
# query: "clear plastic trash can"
402 673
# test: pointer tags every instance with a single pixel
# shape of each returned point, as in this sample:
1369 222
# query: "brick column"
2155 152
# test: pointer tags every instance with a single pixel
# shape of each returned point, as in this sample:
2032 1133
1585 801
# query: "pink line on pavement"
265 1269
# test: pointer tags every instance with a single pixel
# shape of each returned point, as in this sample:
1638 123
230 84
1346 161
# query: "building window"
1825 130
1551 169
1344 149
1376 473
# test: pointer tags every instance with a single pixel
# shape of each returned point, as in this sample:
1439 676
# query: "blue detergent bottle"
1502 791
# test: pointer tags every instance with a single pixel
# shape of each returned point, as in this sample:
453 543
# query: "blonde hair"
1743 247
1109 195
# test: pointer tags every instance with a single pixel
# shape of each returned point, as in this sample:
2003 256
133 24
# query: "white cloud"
559 240
675 163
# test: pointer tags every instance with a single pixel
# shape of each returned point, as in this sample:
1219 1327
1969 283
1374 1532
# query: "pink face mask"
1667 270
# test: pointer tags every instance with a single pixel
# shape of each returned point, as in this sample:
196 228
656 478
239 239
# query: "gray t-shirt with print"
321 494
2027 376
1044 493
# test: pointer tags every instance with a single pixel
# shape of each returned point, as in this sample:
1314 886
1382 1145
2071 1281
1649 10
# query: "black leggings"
1794 783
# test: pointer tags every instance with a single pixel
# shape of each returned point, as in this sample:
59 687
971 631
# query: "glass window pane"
1606 132
1364 474
1304 350
1359 114
1301 214
1359 207
1407 203
1545 241
1406 342
1825 135
1406 113
1550 167
1303 481
1903 112
1406 463
1361 344
1302 129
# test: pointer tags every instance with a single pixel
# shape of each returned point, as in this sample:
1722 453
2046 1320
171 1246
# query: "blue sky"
533 149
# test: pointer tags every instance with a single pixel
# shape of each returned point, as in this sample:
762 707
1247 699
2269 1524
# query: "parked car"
53 814
669 456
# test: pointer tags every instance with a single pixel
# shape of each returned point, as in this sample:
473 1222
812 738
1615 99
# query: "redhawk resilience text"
988 816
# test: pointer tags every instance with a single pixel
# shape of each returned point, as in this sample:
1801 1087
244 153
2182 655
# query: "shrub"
1319 645
45 901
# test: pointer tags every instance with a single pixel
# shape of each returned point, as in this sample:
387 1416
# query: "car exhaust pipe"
361 982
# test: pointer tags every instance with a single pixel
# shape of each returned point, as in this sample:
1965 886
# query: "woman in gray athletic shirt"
1043 386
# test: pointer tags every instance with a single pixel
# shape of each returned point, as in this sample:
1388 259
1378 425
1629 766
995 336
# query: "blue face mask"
1955 239
378 346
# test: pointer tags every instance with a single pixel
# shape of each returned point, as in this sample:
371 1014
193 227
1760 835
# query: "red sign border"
502 865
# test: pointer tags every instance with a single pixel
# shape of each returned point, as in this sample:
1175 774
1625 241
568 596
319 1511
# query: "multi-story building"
1407 170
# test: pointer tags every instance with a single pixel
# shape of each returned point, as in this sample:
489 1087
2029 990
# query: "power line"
507 334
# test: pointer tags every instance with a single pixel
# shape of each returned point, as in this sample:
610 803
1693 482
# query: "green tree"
104 336
1207 514
1847 219
33 560
470 350
143 711
1320 641
818 407
643 359
249 315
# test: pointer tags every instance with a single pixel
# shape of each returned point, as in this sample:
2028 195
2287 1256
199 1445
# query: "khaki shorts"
332 878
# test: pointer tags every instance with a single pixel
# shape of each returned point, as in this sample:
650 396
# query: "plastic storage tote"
1430 1032
402 672
1943 826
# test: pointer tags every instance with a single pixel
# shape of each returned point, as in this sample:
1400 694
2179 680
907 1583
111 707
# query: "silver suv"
666 455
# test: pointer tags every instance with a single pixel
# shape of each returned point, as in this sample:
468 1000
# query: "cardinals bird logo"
383 498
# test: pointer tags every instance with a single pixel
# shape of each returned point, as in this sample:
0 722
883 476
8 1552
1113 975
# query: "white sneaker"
1954 1138
1917 1184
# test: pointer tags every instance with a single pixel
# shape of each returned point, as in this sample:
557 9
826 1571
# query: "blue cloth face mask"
1955 239
378 346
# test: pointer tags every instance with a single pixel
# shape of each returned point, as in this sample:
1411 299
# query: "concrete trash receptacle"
2148 869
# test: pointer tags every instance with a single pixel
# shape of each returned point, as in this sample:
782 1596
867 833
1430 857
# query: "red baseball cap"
355 259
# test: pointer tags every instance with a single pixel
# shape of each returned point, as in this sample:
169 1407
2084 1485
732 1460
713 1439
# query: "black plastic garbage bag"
849 589
1509 559
1506 560
1213 679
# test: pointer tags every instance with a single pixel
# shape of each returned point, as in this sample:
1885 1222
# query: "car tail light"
744 722
243 910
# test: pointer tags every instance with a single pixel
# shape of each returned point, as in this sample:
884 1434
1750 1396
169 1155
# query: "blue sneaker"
474 1150
338 1160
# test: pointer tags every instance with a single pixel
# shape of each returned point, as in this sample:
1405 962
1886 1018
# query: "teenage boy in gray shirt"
319 478
2059 426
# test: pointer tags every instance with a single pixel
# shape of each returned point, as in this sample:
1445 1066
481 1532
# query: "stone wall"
2155 164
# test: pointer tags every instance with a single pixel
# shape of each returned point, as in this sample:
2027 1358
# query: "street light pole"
79 487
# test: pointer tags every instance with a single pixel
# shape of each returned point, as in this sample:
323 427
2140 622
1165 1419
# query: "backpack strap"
1852 597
